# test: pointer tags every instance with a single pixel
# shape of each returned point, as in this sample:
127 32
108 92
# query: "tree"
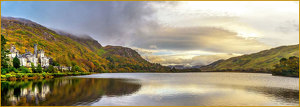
3 71
16 62
33 68
4 52
12 69
173 69
39 69
50 69
287 67
55 63
73 63
76 68
110 59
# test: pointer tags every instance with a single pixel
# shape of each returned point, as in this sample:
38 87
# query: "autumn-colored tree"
287 67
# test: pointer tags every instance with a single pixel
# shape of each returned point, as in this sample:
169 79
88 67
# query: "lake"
155 89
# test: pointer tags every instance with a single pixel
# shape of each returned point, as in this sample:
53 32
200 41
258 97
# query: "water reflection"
207 89
276 95
280 94
156 89
63 91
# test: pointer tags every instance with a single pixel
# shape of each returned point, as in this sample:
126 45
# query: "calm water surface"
155 89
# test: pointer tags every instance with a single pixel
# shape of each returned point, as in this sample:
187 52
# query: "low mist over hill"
66 48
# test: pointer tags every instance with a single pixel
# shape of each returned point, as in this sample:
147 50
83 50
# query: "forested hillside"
260 61
67 49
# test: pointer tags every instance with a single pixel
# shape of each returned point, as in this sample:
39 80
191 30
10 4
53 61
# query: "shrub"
12 69
39 69
19 75
33 68
24 69
59 74
85 73
25 76
8 75
3 71
12 77
30 74
3 76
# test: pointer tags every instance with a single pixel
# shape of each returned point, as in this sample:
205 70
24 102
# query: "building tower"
42 53
35 50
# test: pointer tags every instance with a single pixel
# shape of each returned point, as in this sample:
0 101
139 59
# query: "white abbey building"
38 57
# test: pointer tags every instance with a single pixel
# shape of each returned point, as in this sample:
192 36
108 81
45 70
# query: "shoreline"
208 72
37 76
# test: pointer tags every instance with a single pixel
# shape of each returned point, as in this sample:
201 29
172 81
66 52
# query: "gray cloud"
199 38
109 22
136 23
112 22
155 25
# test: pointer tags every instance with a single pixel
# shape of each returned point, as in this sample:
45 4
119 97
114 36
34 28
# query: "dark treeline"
185 70
287 67
251 70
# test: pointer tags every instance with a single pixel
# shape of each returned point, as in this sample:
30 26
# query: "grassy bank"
24 76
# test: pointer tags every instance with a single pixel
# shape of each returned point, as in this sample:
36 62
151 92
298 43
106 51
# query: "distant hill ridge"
262 60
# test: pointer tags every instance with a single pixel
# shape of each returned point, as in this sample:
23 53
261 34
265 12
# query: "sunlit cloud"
173 32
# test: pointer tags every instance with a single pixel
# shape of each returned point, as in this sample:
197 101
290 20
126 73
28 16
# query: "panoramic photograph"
149 53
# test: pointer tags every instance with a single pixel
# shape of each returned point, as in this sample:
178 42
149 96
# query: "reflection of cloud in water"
205 95
246 79
214 90
163 89
171 89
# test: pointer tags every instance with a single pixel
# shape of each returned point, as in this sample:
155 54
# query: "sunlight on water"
163 89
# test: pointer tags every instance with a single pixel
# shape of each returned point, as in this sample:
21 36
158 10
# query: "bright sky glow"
175 32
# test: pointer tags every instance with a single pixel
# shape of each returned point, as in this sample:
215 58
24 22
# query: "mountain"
123 51
262 60
184 67
84 40
126 58
68 49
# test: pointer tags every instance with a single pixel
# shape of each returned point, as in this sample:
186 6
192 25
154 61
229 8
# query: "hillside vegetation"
67 49
261 62
287 67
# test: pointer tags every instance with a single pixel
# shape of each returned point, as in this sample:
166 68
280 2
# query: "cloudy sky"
174 32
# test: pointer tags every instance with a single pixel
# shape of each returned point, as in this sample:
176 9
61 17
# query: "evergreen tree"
33 68
50 69
77 68
16 62
39 69
4 52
